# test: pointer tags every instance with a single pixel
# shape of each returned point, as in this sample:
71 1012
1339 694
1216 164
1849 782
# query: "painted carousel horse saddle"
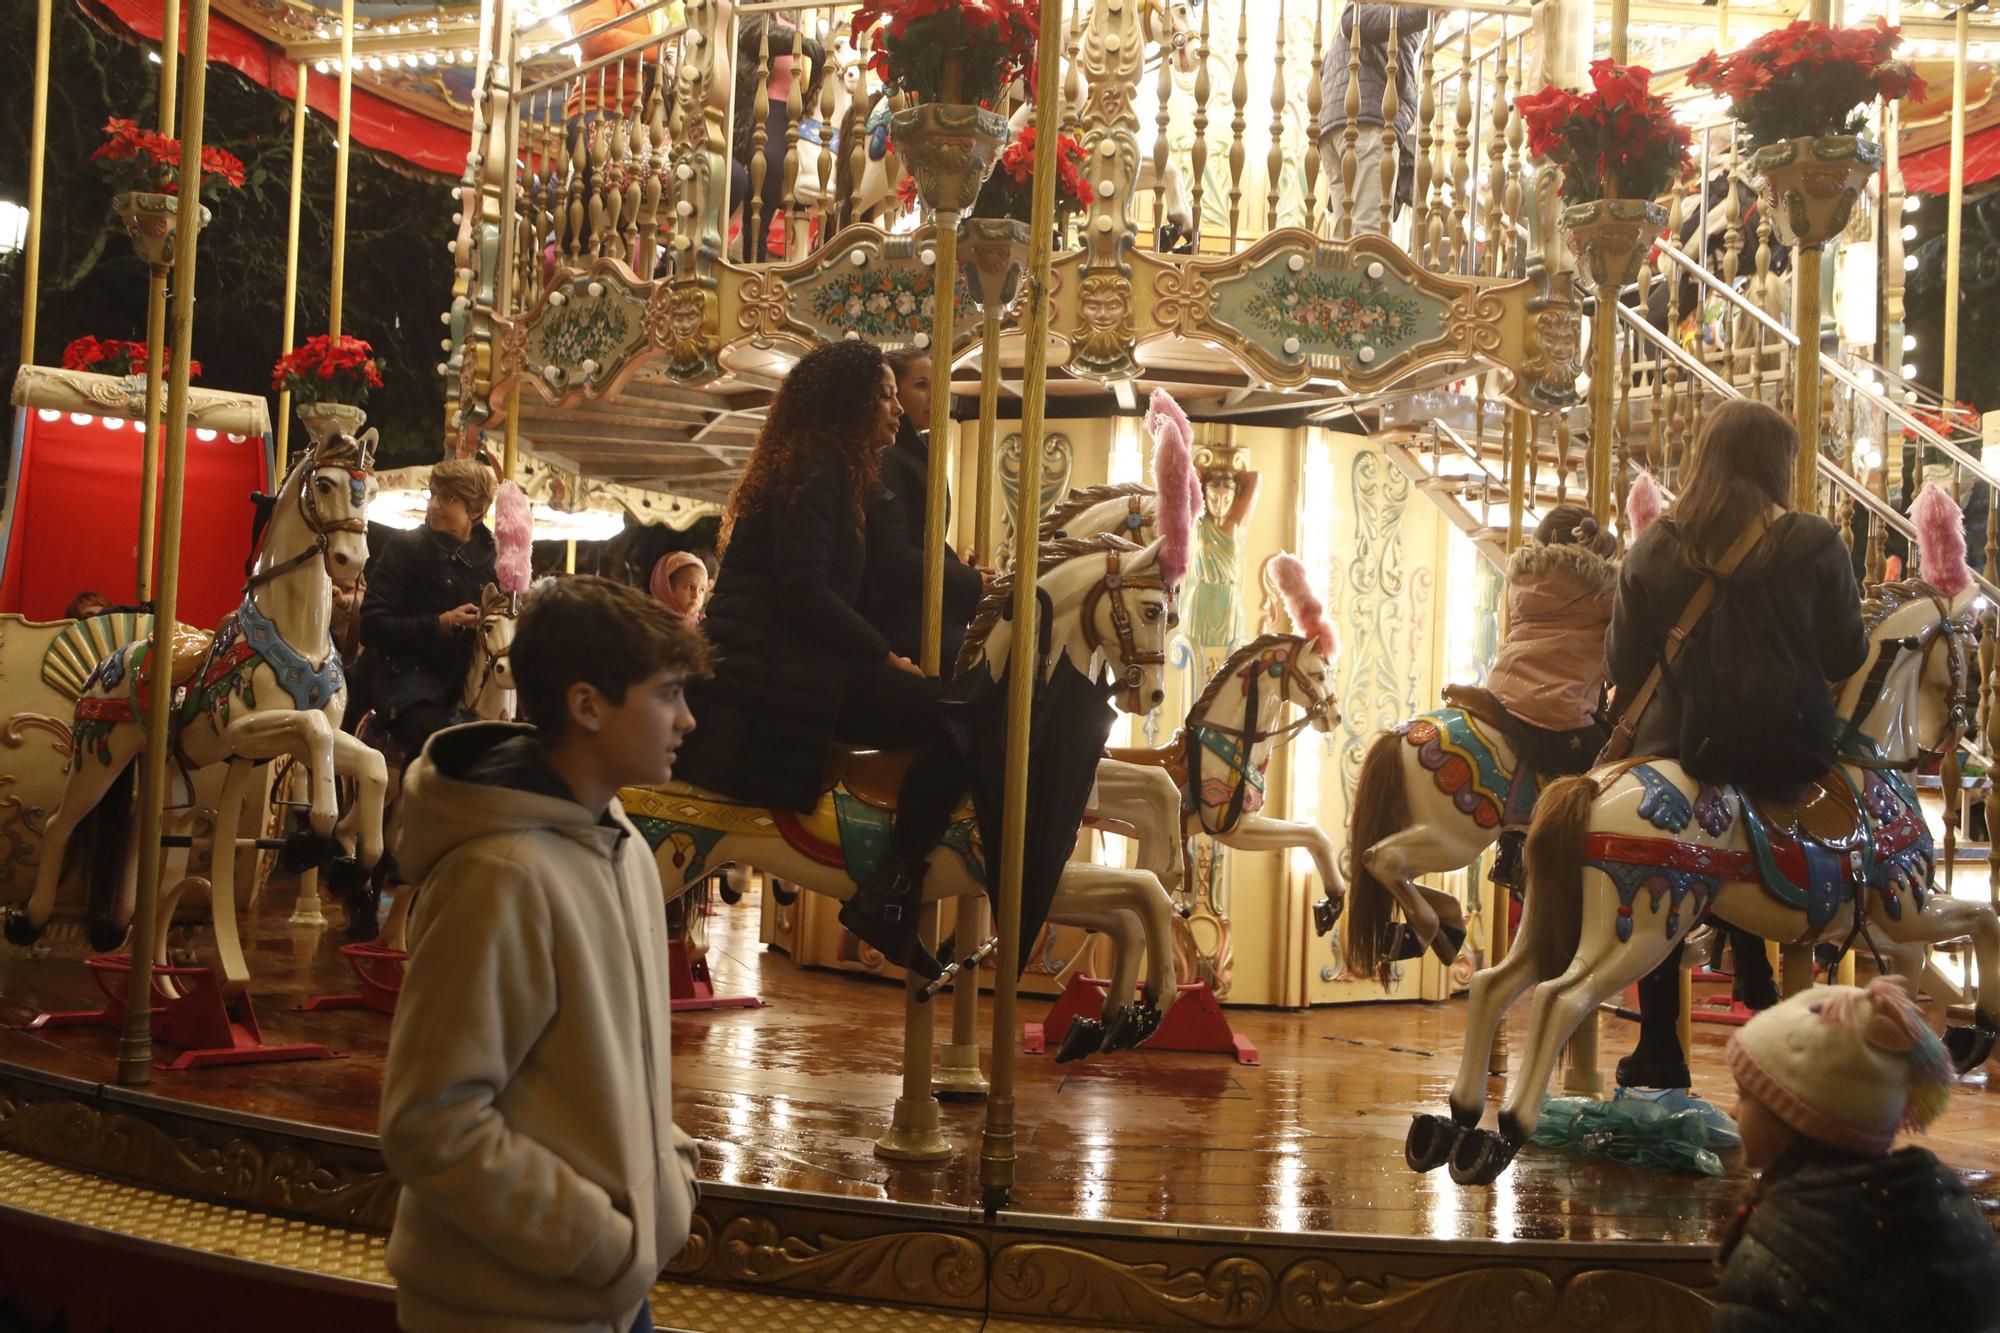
873 777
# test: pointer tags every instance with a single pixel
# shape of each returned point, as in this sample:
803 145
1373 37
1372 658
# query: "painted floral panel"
1332 312
883 302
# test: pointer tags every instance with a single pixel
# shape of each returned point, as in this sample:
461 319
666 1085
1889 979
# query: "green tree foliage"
399 224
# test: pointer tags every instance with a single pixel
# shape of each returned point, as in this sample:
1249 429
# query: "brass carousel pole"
292 259
1604 346
156 328
1805 366
38 149
135 1047
913 1134
958 1064
996 1149
1954 235
342 145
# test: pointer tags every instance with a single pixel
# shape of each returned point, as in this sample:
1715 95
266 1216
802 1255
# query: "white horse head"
322 509
1911 695
489 684
1110 608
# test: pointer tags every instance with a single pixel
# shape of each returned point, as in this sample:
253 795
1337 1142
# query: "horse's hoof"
1146 1018
1480 1156
306 850
104 936
786 894
1325 912
1968 1044
1429 1143
1085 1036
356 891
19 930
728 892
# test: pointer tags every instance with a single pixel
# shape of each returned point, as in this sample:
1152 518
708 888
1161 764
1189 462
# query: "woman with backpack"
1747 700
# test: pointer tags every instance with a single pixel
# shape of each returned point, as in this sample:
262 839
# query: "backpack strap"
1697 606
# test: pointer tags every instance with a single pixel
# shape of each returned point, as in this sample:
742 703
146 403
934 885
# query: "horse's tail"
1552 916
107 832
1381 808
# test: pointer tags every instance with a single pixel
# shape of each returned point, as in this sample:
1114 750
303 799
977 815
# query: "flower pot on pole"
1610 239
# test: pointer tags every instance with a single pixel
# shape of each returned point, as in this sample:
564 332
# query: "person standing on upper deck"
1368 210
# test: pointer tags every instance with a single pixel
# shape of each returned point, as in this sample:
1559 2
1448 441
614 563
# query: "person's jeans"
643 1321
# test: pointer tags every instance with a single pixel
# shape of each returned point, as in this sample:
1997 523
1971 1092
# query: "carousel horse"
1624 861
488 695
1106 612
1214 769
266 684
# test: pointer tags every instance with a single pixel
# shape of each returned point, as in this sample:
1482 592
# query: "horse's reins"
1114 585
470 699
1944 630
1249 737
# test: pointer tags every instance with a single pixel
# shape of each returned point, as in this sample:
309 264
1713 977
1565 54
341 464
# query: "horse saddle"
873 777
1827 814
1480 702
1172 757
190 651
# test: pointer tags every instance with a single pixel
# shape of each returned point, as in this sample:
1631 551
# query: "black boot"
884 913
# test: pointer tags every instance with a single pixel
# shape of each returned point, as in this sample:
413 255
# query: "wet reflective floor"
793 1096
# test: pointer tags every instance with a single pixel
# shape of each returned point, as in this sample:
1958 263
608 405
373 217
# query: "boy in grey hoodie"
527 1106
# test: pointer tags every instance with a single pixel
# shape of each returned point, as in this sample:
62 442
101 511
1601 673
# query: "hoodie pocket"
617 1249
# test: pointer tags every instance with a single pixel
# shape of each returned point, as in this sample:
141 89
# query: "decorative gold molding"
1064 1281
935 1267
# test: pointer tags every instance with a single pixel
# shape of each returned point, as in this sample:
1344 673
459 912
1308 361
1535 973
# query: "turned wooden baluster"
795 110
1440 242
1198 154
598 202
621 186
1623 455
1239 98
1461 164
1426 174
1648 355
1072 82
652 171
854 139
1517 133
1391 107
1274 159
1496 158
760 117
1732 264
1163 92
1350 136
819 219
1674 459
578 153
1315 103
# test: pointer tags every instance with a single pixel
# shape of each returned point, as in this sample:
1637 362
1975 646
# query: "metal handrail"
1874 397
658 39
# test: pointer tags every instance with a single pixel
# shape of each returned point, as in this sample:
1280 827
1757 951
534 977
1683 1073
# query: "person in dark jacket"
1841 1235
420 616
894 601
1369 211
1743 475
801 668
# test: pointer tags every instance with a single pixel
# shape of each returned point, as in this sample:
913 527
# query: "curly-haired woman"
801 668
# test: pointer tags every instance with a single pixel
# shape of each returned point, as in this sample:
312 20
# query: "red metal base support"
380 969
690 987
211 1027
1195 1023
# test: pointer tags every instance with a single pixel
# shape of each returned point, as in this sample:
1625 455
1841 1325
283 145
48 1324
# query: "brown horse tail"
1381 808
1554 892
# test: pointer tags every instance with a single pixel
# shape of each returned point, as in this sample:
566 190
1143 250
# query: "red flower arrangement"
327 370
1808 79
1951 420
141 161
1620 140
964 51
1010 191
112 356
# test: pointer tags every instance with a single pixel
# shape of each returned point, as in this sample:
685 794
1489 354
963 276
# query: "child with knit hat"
1840 1232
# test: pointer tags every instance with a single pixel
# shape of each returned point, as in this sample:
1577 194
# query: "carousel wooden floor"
792 1096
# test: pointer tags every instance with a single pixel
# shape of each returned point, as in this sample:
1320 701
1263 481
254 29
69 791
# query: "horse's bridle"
1248 734
1946 630
322 528
473 690
1114 585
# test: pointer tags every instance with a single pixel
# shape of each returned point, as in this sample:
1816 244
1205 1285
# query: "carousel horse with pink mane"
1107 606
1624 861
267 684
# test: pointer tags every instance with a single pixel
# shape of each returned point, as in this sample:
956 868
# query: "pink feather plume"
1307 611
1940 541
513 538
1174 481
1643 503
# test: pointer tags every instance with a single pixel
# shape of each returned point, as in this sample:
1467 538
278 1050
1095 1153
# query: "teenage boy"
527 1107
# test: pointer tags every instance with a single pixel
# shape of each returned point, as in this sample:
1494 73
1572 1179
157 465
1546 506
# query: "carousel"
1254 371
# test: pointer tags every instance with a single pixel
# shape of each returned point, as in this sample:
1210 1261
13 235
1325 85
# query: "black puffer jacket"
786 624
415 577
1843 1244
894 598
1802 553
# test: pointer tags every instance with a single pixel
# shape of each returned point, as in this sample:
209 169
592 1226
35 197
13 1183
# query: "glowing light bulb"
1909 231
1909 342
1909 370
1909 263
1911 203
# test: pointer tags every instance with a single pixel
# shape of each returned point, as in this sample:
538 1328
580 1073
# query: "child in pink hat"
1840 1232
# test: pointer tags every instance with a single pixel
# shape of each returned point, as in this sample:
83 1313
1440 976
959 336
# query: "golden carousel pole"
996 1149
341 147
1805 368
38 151
1604 355
156 328
1954 236
135 1047
292 261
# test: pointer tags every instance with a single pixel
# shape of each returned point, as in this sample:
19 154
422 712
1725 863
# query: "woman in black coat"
1799 571
800 667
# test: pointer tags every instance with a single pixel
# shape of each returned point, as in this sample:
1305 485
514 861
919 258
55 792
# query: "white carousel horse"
488 695
1623 862
268 683
1107 609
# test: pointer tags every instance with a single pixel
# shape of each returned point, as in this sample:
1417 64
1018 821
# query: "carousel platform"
1155 1190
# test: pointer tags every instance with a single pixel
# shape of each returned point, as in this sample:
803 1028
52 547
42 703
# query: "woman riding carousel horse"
801 668
1747 700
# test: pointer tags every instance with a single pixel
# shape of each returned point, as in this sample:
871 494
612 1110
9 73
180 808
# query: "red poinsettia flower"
1808 79
327 370
1619 139
957 50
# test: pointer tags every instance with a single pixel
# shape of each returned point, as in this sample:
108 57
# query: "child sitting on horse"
1841 1233
527 1101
